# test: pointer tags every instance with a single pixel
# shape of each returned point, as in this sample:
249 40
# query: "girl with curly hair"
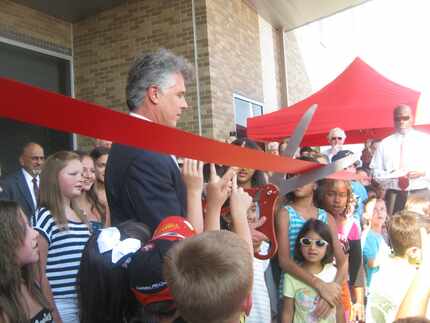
337 198
21 299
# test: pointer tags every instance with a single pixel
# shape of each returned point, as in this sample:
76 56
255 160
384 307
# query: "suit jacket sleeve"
155 187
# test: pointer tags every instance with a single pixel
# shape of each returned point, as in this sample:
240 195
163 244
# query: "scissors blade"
294 142
257 196
298 181
299 131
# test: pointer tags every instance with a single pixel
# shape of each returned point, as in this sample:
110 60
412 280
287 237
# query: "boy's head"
404 234
210 276
418 204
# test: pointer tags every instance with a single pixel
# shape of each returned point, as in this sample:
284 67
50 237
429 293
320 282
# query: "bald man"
23 186
401 162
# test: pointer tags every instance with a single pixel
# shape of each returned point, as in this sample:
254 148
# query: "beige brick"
104 45
32 23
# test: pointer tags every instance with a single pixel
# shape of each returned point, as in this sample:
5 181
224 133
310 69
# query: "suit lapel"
23 187
179 183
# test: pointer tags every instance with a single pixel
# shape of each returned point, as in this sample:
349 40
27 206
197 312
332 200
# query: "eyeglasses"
405 118
36 158
336 138
307 242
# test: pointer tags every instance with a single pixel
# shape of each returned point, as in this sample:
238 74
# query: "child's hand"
331 292
240 201
322 310
257 236
357 312
219 188
192 174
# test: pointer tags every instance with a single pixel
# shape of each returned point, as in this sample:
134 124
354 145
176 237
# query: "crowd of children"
342 259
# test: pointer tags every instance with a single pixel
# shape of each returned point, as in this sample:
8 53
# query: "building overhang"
285 14
291 14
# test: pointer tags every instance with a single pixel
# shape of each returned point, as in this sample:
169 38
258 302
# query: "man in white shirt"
23 186
336 138
401 162
273 148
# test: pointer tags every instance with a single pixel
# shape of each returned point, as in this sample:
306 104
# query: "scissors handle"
266 197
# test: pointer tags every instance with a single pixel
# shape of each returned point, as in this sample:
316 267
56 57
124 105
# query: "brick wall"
105 45
23 24
281 85
228 55
234 60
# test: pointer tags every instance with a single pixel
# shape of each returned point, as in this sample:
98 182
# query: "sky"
390 35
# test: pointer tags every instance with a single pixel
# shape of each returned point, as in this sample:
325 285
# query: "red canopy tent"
359 100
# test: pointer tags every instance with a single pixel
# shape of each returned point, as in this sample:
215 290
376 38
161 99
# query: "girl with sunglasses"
314 251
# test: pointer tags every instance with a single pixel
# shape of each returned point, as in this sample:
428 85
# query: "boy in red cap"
145 270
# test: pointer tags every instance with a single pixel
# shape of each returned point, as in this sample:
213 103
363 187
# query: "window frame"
250 103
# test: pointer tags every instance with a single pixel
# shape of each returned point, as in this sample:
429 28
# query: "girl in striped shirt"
63 233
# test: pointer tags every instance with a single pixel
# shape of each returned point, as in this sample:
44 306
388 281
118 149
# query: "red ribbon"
29 104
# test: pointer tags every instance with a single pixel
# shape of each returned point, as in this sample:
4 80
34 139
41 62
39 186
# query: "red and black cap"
145 271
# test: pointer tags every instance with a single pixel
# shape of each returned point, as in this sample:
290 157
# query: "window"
38 67
244 108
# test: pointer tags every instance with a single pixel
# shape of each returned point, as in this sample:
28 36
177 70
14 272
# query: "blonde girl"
63 233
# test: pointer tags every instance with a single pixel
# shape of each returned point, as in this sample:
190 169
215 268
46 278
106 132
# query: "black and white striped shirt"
64 251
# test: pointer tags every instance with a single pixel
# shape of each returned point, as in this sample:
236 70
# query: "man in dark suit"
23 186
143 185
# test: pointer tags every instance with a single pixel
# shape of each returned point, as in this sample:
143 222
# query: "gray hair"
402 107
154 69
334 131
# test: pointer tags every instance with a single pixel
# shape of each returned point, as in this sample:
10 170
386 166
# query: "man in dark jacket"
23 186
140 184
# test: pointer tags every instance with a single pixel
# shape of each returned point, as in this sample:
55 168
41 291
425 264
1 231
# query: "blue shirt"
360 194
373 243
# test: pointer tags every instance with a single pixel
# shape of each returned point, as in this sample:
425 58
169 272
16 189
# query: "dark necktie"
35 188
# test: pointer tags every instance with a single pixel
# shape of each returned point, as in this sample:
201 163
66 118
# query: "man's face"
402 120
273 148
337 140
103 143
32 159
172 102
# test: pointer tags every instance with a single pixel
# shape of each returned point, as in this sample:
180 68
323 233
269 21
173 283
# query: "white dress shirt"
330 152
145 118
29 180
416 157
